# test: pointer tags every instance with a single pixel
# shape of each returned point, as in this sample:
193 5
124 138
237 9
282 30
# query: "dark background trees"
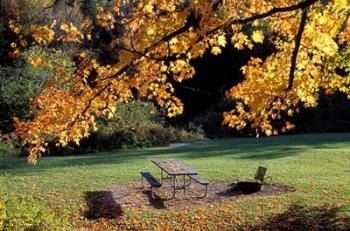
203 96
205 101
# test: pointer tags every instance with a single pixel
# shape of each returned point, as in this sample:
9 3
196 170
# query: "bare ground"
110 203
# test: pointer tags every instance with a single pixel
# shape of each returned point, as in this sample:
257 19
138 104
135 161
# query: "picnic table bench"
151 180
201 181
174 170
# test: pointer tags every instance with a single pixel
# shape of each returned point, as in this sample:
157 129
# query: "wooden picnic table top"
172 167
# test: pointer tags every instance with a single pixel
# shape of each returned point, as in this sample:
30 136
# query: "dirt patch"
133 196
101 204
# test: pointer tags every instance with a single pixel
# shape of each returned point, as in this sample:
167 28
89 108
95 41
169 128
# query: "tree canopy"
128 48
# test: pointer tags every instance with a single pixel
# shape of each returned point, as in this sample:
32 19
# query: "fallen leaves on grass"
243 213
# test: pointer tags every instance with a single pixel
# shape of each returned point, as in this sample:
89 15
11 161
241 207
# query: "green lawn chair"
260 175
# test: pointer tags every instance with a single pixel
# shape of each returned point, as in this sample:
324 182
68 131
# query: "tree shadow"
241 188
101 204
239 148
228 192
298 217
275 153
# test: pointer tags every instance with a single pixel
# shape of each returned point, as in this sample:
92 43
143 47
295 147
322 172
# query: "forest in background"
136 123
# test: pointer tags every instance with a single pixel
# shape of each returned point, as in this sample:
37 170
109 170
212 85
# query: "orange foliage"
160 40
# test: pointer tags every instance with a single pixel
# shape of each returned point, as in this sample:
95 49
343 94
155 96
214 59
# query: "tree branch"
301 5
193 89
193 21
296 49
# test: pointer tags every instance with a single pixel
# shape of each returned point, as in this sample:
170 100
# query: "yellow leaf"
215 50
268 132
258 36
149 8
289 126
150 31
222 40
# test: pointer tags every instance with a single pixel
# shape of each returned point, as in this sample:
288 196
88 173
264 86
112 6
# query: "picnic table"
174 170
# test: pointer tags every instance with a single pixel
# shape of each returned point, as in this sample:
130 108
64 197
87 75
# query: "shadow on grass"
156 203
304 218
101 204
227 193
239 148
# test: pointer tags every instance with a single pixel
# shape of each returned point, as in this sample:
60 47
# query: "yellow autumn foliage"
161 38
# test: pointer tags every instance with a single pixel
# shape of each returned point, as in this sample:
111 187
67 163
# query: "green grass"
317 166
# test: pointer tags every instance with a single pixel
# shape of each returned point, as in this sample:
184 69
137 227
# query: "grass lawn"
317 166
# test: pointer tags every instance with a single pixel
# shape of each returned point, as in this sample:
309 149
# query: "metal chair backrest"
260 174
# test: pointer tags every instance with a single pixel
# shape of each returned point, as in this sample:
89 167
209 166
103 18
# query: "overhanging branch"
296 49
193 21
301 5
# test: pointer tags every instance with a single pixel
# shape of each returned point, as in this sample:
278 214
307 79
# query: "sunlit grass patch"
316 166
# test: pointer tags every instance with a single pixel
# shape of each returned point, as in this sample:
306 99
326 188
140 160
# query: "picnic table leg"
190 181
174 187
184 186
206 191
152 193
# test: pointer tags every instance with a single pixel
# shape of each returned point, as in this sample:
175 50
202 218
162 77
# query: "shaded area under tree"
298 217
